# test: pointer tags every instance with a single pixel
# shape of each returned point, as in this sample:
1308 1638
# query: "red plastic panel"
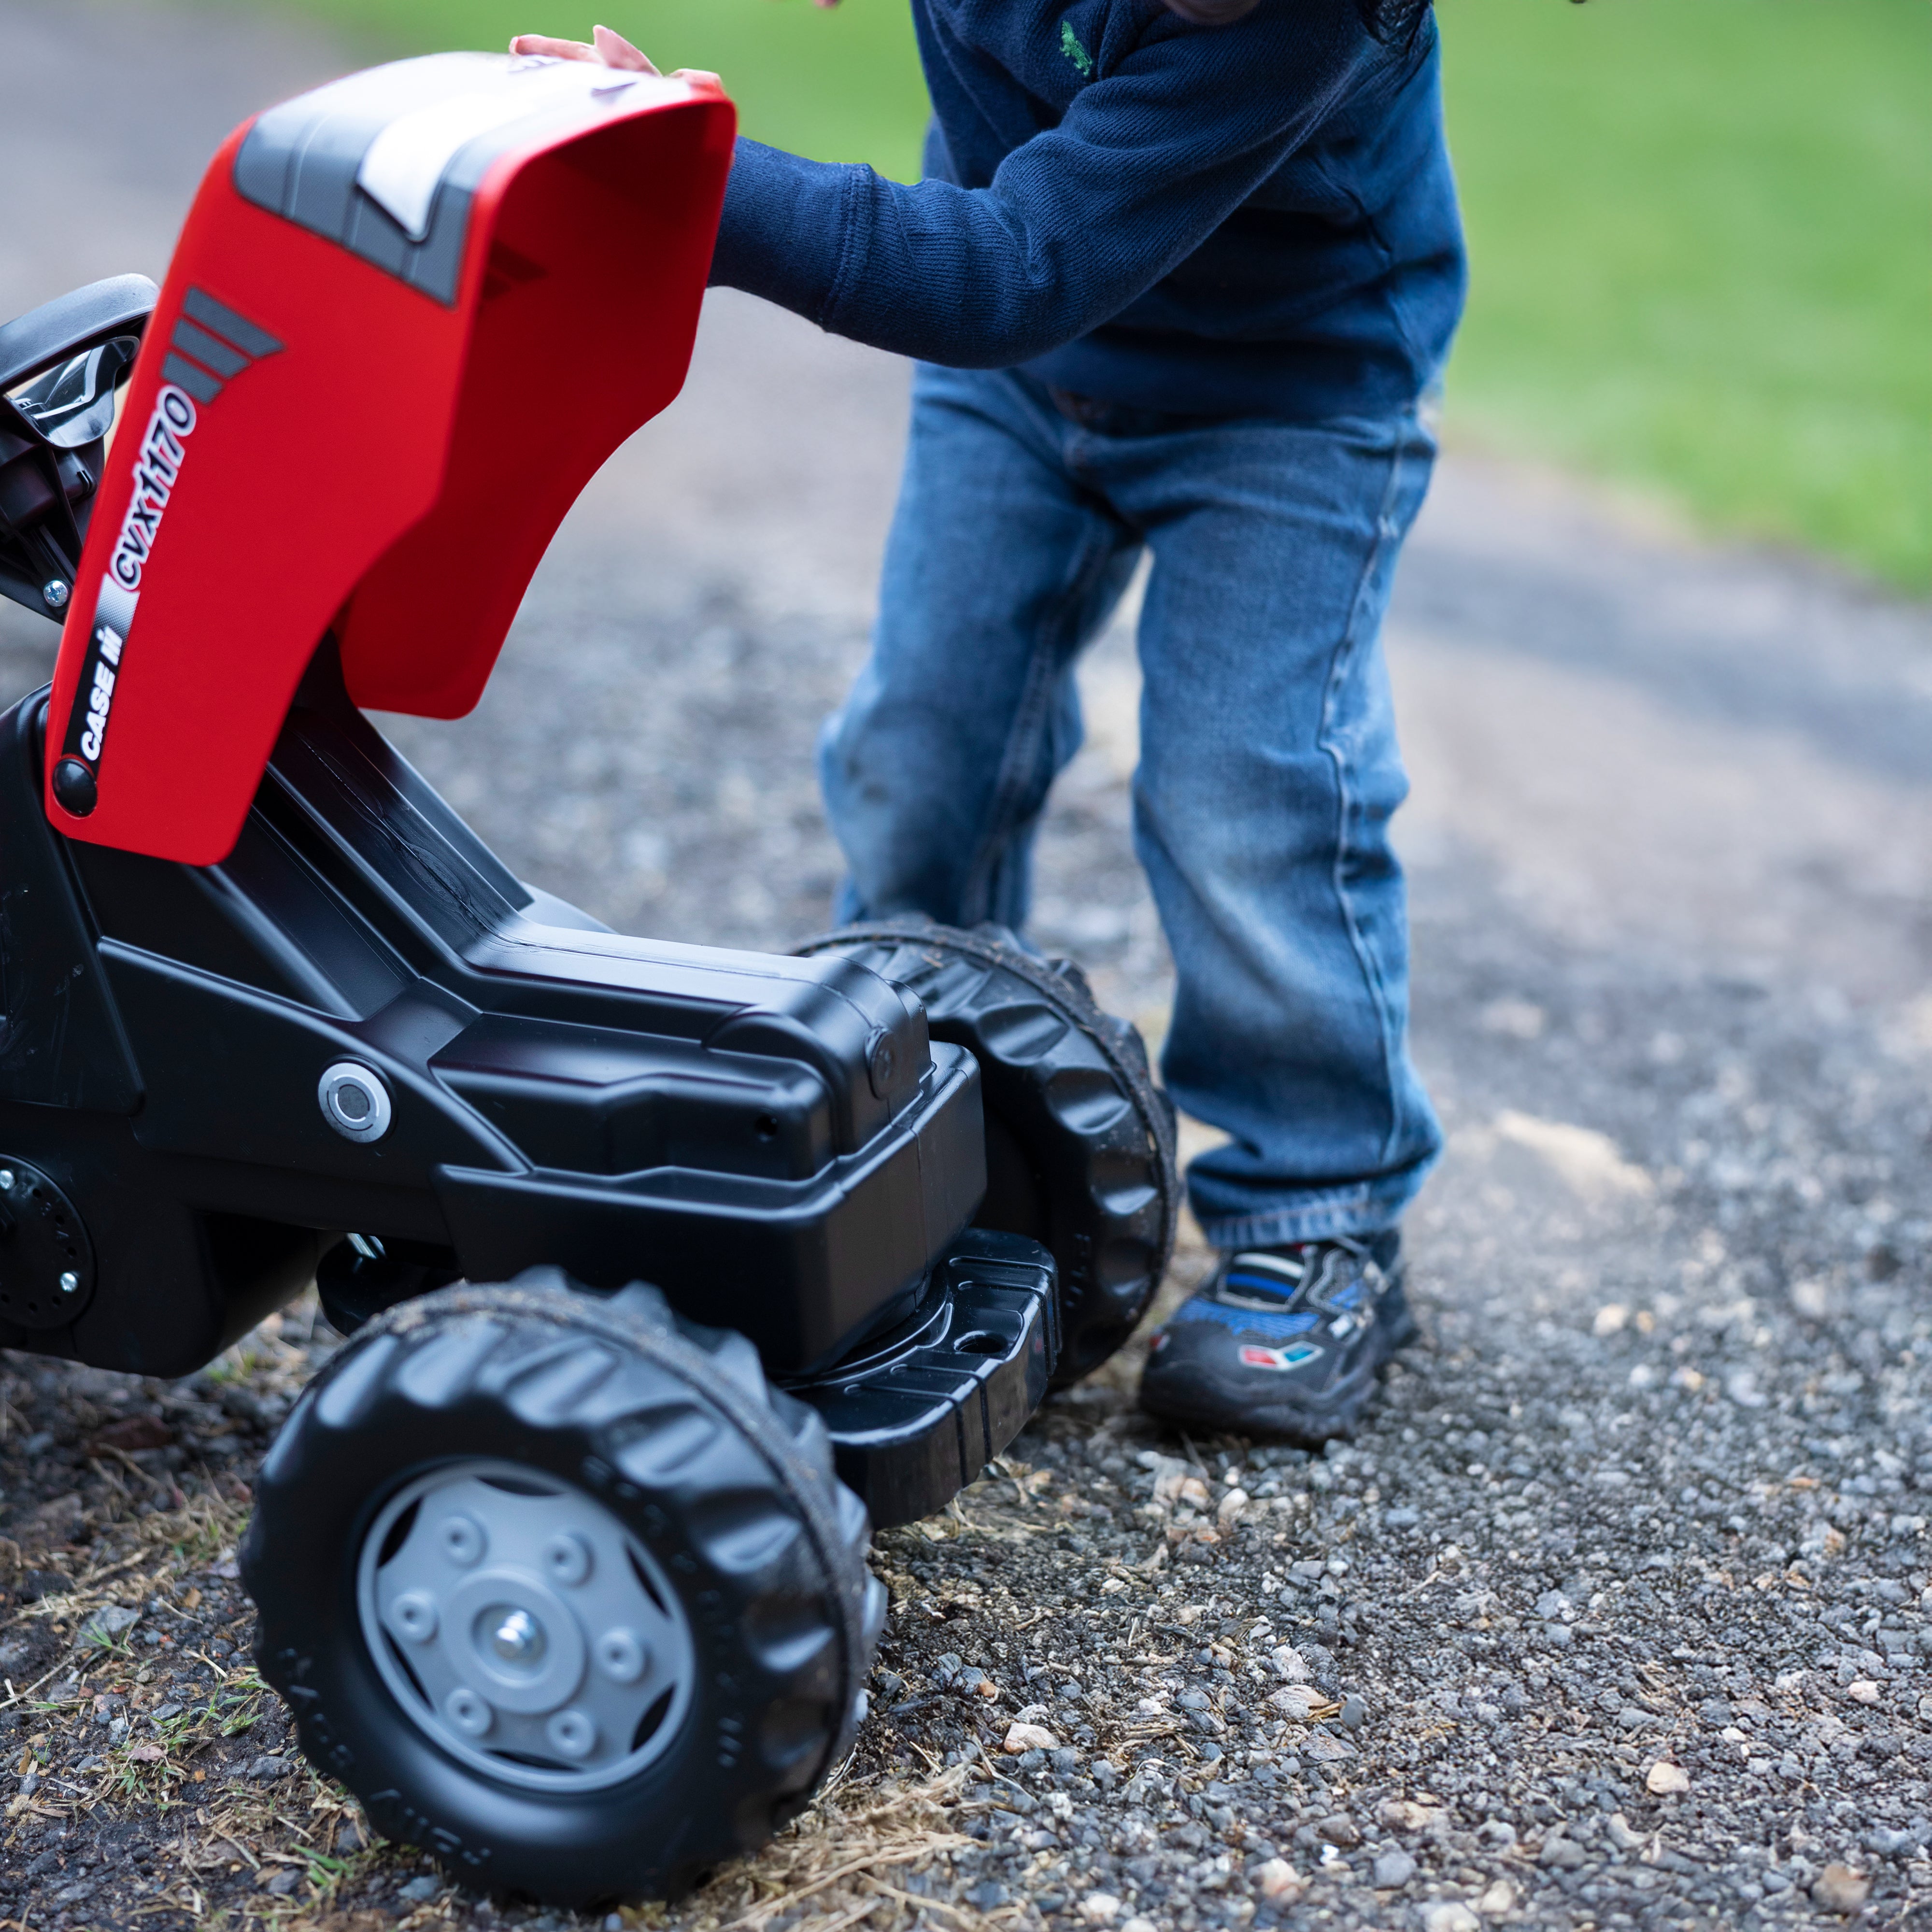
308 441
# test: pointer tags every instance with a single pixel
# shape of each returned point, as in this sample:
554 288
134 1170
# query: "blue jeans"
1269 768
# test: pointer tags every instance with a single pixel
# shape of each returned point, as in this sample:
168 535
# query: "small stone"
1354 1711
1621 1836
1499 1898
1340 1829
1393 1870
1665 1780
1886 1843
419 1890
986 1896
1325 1749
267 1769
1277 1878
1404 1814
1630 1718
107 1624
1021 1738
282 1882
1611 1319
1561 1854
986 1688
1229 1508
1289 1663
1137 1924
1296 1702
1098 1908
1449 1915
1839 1888
1864 1691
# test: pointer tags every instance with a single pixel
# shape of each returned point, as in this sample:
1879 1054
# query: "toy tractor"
664 1270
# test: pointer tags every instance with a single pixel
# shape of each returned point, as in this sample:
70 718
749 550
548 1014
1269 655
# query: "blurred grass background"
1701 230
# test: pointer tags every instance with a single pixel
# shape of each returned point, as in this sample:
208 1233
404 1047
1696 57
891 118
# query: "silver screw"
518 1639
70 1282
54 593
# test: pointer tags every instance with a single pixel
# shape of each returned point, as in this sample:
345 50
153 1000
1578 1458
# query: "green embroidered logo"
1070 45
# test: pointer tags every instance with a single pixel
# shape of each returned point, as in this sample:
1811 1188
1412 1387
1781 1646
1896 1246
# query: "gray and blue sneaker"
1284 1341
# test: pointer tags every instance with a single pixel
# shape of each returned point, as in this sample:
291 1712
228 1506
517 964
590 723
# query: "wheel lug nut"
463 1540
413 1616
467 1711
571 1735
566 1558
621 1655
515 1635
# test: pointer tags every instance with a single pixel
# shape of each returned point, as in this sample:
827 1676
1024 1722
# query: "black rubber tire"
672 1428
1079 1138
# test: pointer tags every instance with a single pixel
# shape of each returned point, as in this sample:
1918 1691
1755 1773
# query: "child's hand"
610 49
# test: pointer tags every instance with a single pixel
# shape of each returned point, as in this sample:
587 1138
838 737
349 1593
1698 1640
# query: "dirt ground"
1618 1613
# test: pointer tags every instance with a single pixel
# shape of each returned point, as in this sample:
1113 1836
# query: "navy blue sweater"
1252 218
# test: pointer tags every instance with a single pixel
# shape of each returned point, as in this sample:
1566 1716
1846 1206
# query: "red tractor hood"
410 315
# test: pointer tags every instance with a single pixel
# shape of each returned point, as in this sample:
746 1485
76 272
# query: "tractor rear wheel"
1079 1139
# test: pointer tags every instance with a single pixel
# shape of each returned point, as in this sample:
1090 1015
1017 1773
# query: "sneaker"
1283 1341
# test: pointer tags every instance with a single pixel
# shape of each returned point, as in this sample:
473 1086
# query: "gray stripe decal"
205 348
236 329
198 382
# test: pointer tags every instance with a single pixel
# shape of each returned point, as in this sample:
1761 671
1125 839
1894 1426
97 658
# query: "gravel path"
1619 1611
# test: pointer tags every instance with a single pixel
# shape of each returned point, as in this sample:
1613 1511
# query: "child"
1177 278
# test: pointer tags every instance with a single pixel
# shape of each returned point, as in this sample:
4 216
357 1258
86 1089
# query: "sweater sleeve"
1147 162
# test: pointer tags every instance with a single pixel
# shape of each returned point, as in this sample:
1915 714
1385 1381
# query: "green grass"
1701 243
1701 230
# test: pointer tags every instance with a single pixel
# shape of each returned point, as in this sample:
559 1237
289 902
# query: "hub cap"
523 1628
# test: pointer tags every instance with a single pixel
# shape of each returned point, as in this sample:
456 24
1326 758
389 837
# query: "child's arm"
1149 160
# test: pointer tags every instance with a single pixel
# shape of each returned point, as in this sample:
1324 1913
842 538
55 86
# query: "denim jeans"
1269 769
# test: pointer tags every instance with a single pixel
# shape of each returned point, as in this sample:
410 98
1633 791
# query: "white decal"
101 697
157 470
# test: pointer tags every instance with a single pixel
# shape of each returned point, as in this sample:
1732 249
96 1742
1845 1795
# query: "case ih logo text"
157 470
107 643
210 345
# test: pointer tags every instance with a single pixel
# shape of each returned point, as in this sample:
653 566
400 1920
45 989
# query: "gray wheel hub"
523 1628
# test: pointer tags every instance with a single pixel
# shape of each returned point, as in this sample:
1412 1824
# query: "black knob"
74 788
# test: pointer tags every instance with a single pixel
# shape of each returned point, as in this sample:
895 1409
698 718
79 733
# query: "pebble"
1449 1915
1498 1898
1403 1814
1339 1828
1022 1738
1393 1870
1276 1879
1839 1888
419 1891
1664 1779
